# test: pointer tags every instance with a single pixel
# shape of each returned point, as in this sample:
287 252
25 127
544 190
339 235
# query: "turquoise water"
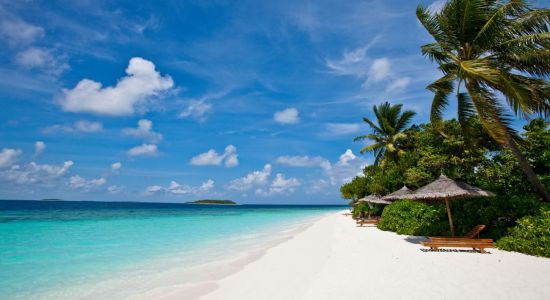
49 246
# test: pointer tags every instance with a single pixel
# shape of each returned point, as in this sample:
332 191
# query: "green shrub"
531 235
358 208
414 218
497 213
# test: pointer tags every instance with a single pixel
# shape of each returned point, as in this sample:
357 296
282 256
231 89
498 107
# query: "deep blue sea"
98 250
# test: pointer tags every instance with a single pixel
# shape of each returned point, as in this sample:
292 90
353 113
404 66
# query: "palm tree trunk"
528 170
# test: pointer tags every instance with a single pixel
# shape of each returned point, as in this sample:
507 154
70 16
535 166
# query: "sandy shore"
334 259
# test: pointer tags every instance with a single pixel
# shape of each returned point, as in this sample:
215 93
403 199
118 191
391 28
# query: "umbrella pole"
450 216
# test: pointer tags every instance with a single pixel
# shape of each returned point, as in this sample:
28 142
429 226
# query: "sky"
172 101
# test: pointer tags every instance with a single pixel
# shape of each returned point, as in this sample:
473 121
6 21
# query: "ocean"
114 250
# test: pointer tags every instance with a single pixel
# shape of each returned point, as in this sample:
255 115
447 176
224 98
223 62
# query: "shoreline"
335 259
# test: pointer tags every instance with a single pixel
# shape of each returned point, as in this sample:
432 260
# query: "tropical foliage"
531 235
387 132
488 48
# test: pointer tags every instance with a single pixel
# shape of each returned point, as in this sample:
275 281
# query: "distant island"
51 199
225 202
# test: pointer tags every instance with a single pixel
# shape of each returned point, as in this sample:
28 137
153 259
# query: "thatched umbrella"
374 199
402 193
448 189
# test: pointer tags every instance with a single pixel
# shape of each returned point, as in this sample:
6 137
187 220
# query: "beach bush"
360 207
531 235
497 213
414 218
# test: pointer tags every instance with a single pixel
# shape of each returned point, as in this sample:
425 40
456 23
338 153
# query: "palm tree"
493 50
387 134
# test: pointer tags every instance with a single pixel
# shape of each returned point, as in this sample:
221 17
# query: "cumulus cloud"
371 70
143 150
341 129
303 161
115 167
78 126
8 157
35 173
141 84
379 70
280 185
347 167
251 180
77 182
143 131
196 109
39 147
181 189
229 158
287 116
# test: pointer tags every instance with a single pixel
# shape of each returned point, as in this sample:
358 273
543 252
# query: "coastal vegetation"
495 62
209 201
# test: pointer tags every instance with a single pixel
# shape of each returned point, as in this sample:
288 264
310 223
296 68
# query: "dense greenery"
487 48
531 235
213 202
413 218
476 160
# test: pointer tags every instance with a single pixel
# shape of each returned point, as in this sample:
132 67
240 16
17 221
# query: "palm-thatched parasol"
402 193
374 199
448 189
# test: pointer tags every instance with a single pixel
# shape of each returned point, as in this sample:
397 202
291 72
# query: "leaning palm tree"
492 51
387 134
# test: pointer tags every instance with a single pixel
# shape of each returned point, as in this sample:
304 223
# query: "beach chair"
372 221
472 234
475 244
469 240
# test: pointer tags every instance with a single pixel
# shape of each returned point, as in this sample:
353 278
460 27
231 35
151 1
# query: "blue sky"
256 101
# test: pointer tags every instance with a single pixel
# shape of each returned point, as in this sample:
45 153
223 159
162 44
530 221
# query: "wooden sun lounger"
472 243
474 233
367 222
470 240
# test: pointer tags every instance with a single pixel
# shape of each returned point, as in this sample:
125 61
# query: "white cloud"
181 189
39 147
352 63
196 109
141 84
303 161
153 189
280 185
35 173
144 131
251 180
212 158
340 129
42 59
287 116
18 32
115 167
398 84
77 182
8 157
347 167
115 189
78 126
143 150
379 70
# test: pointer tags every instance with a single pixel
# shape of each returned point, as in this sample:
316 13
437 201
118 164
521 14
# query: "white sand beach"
335 259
